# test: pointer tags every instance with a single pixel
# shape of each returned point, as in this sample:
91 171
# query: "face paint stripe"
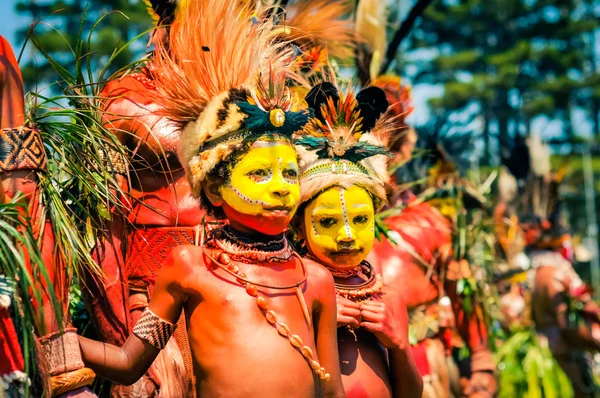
244 197
345 214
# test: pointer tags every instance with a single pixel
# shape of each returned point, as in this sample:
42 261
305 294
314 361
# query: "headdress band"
336 167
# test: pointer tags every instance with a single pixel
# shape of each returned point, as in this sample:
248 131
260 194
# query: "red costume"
159 214
22 161
415 255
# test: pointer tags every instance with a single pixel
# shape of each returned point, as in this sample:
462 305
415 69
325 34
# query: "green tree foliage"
56 24
508 61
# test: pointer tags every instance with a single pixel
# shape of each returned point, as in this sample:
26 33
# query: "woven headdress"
223 81
343 144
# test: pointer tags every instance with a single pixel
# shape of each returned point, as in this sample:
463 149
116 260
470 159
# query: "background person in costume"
160 214
261 323
562 309
341 187
414 254
34 280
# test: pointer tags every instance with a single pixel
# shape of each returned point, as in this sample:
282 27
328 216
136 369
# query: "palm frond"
24 271
79 187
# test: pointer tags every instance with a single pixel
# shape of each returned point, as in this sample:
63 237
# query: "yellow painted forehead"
267 151
355 197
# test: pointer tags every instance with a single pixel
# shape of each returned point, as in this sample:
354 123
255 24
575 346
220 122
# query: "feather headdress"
371 23
533 191
162 12
222 80
344 142
322 24
399 98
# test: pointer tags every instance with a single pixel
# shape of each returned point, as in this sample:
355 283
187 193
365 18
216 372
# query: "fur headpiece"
223 81
343 144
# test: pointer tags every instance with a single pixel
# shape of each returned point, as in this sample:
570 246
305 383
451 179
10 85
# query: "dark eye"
258 173
328 222
360 219
290 173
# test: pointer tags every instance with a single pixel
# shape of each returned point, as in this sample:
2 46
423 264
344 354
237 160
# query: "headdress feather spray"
344 143
221 79
320 24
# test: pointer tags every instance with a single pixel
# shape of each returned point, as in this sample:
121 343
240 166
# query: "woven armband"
114 161
154 330
61 351
21 148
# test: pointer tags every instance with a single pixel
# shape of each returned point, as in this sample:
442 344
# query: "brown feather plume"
214 46
312 23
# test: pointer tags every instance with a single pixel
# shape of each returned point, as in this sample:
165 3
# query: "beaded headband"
336 167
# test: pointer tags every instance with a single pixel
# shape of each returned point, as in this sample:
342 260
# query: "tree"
508 61
56 25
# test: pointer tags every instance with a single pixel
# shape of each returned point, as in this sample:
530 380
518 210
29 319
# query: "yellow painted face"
339 226
263 187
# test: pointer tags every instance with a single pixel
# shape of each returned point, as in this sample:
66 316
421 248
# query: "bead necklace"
364 291
346 273
241 250
226 265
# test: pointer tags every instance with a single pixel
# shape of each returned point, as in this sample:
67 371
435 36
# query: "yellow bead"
306 351
283 329
277 117
296 341
262 302
225 258
271 317
327 377
315 365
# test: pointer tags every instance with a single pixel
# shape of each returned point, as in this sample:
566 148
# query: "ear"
372 103
212 190
318 95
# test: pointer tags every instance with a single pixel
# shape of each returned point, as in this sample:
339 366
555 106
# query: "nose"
345 237
278 188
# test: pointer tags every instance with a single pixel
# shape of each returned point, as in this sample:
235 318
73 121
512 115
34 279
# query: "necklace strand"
363 291
251 288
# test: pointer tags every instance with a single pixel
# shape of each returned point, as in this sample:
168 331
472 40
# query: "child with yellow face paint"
260 321
342 173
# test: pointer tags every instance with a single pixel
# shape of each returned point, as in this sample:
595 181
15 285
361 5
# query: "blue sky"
10 22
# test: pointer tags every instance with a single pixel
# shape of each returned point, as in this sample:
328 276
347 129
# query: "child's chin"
273 225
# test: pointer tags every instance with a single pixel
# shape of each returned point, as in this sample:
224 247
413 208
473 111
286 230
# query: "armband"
61 351
21 148
151 328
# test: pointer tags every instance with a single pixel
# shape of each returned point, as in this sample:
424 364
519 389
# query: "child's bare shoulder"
184 260
318 275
